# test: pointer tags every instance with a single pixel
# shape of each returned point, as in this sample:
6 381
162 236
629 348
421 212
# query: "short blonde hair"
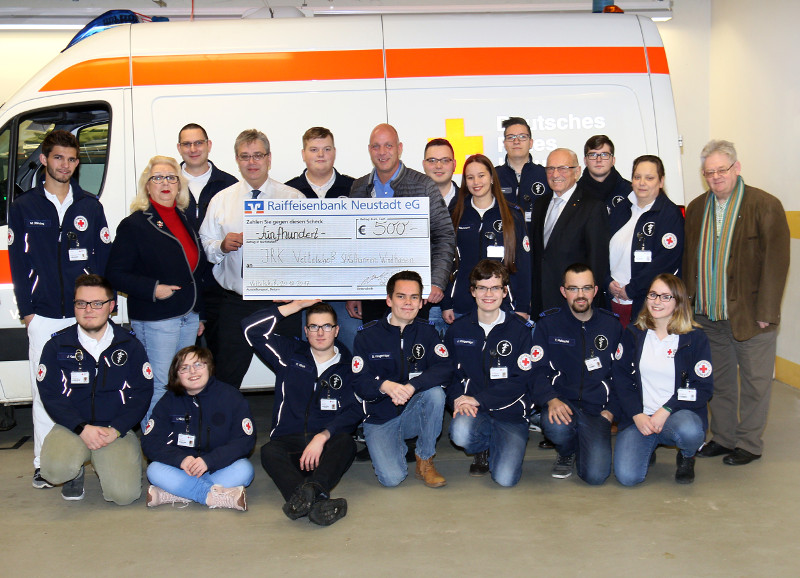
681 321
142 199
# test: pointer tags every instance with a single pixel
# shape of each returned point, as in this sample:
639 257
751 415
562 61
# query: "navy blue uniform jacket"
218 417
692 362
474 237
120 382
145 254
39 250
340 188
660 231
561 346
530 189
382 351
474 354
298 389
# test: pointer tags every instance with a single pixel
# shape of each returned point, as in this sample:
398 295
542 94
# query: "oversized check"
333 248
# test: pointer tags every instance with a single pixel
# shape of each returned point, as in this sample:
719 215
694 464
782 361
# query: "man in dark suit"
568 226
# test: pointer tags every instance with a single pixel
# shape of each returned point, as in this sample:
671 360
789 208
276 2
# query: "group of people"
514 243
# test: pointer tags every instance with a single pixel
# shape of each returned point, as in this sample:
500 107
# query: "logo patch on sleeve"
81 223
358 364
149 427
537 353
524 362
702 368
147 370
105 235
247 426
41 372
618 354
441 350
670 241
526 244
10 237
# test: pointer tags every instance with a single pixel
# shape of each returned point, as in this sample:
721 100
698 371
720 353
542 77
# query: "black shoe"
73 489
739 457
652 459
39 482
363 455
326 512
300 502
480 464
712 449
685 472
546 444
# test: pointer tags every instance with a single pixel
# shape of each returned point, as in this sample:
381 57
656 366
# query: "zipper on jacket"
583 362
61 286
94 387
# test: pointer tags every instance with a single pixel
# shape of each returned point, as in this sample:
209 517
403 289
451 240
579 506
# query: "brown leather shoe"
426 472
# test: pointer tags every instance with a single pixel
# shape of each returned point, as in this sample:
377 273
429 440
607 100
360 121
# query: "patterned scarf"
713 253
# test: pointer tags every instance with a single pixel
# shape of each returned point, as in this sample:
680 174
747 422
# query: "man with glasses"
56 232
489 392
96 384
524 182
222 237
573 348
601 179
314 412
569 226
735 263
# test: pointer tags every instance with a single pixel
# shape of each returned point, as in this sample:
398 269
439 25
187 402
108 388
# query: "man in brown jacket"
735 264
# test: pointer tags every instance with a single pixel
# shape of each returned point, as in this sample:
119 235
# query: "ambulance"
125 92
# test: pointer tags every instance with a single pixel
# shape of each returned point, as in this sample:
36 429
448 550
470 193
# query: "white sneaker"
232 498
157 497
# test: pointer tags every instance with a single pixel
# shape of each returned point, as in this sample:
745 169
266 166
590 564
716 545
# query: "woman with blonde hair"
156 261
662 378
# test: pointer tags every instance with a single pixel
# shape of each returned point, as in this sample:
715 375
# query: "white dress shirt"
226 215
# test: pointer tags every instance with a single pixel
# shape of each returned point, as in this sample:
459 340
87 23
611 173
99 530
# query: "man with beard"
572 353
56 232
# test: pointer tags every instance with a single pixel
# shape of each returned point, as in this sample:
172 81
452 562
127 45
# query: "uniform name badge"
79 377
687 394
642 256
328 404
593 363
414 374
186 440
495 251
528 215
78 255
498 373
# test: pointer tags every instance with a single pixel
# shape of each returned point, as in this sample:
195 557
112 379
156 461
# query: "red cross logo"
526 244
703 368
247 426
147 371
669 241
80 222
441 350
105 236
40 373
358 364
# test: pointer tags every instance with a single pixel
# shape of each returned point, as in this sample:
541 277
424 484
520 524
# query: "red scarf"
170 217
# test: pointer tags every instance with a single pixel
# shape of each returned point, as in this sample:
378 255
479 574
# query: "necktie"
552 217
255 193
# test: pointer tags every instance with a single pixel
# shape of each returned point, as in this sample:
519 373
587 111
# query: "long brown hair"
173 379
507 218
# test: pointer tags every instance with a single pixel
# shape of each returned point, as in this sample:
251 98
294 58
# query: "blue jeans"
177 482
422 418
435 317
348 326
683 429
162 340
505 441
586 436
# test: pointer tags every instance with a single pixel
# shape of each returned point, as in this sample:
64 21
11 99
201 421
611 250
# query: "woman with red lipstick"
646 239
155 260
487 227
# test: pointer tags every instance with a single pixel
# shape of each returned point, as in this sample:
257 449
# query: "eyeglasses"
721 172
158 179
519 137
314 328
257 157
187 144
663 297
563 170
81 304
483 290
443 160
572 289
196 366
602 156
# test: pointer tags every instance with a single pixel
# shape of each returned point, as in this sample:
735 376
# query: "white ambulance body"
126 92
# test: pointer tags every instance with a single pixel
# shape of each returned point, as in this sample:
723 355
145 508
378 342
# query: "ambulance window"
93 156
5 138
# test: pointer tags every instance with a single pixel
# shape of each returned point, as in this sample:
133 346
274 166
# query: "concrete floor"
733 521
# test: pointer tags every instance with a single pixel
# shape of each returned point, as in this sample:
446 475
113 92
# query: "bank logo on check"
255 207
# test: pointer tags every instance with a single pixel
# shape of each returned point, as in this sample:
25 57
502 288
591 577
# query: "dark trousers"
233 353
280 458
213 295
